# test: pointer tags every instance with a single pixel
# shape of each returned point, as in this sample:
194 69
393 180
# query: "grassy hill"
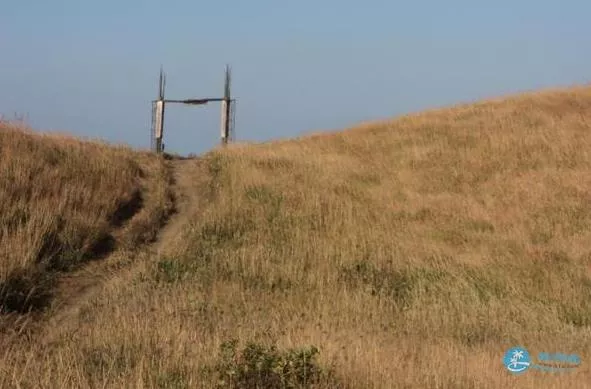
411 254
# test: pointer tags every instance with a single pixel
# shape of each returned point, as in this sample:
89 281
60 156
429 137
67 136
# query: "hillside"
411 253
65 202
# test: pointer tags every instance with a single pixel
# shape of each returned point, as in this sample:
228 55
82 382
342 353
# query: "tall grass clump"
62 202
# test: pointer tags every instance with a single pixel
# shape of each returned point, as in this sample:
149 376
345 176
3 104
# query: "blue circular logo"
517 360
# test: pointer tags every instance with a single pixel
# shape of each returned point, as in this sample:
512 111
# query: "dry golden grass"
412 253
63 201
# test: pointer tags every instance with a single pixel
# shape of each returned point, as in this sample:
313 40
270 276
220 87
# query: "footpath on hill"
77 289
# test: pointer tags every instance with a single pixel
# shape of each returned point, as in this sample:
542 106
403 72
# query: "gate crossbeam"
194 101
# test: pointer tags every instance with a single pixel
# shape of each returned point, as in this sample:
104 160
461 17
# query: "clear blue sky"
91 67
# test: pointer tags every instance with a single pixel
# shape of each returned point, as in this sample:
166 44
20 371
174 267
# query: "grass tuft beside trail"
64 202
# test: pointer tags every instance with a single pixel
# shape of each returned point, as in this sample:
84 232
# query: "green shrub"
265 367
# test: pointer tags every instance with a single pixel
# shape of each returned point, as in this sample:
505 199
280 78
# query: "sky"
90 68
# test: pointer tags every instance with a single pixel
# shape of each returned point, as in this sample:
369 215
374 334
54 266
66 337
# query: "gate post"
226 108
158 115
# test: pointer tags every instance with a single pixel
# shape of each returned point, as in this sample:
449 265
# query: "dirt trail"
82 286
